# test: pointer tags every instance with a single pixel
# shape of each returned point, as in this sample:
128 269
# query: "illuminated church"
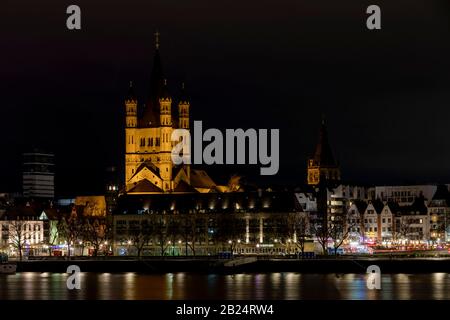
148 165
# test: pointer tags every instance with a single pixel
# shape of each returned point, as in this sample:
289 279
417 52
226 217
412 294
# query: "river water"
175 286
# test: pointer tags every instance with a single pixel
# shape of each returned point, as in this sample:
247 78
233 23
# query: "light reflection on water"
176 286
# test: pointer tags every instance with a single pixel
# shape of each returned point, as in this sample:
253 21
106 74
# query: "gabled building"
355 218
439 211
371 218
22 232
386 224
412 222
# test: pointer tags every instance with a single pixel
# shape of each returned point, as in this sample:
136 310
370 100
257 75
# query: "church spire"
183 98
131 96
322 166
157 76
165 91
323 154
150 117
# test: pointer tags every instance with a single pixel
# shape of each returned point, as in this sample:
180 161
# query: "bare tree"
298 229
338 231
320 230
162 236
403 228
97 231
230 228
140 235
320 223
70 229
19 232
189 231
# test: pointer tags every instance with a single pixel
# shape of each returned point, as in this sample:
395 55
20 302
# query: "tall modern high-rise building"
38 176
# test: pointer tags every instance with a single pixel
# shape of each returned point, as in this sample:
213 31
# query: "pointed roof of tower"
323 155
164 91
156 77
184 97
130 95
150 117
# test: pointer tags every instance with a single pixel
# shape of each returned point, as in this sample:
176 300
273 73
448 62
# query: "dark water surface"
174 286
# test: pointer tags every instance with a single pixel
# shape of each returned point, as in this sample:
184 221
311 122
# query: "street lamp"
230 242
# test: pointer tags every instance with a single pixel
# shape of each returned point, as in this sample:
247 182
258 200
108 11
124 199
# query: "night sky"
250 64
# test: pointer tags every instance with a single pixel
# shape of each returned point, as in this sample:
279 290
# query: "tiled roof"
277 202
184 187
200 179
145 186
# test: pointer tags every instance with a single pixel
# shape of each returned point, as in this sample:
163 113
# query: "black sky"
258 64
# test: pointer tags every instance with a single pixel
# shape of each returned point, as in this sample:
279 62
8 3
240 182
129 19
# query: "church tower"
183 118
322 167
183 109
165 167
130 130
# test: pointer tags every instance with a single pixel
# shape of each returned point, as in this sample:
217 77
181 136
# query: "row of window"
166 121
165 108
371 220
150 142
184 123
370 229
165 138
29 227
